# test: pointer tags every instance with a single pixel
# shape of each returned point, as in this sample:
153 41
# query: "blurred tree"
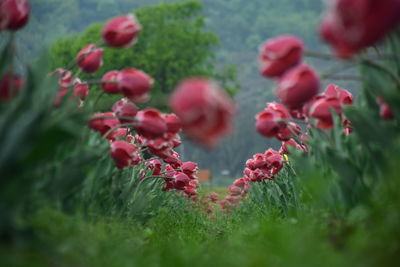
173 45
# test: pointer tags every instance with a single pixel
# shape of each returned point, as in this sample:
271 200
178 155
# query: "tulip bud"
279 54
297 86
90 58
14 14
121 31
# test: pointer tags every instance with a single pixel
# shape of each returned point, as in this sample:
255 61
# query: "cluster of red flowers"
202 108
297 89
132 131
261 168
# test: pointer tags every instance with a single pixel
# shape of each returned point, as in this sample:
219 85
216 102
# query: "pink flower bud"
124 154
110 82
174 124
344 96
9 86
135 84
150 123
385 111
205 110
181 180
14 14
288 131
234 190
297 86
271 119
90 58
279 54
350 25
103 122
125 108
80 90
121 31
321 110
190 168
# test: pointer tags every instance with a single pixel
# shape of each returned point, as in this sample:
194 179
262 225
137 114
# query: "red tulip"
297 86
135 84
290 143
121 31
288 131
110 82
90 58
155 166
271 119
181 180
234 190
65 79
124 154
125 108
103 122
14 14
321 110
80 90
213 197
351 25
279 54
60 96
174 124
240 182
344 96
205 110
9 86
150 123
190 169
385 111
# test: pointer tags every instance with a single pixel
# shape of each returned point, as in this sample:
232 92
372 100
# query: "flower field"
95 168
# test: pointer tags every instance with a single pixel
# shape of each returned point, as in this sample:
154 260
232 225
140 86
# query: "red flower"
279 54
181 180
297 86
90 58
351 25
124 154
135 84
155 166
234 190
150 123
290 143
110 82
103 122
60 96
121 31
288 131
275 160
190 169
385 111
174 124
213 197
14 14
205 110
240 182
344 96
271 119
65 79
9 86
321 110
81 90
125 108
